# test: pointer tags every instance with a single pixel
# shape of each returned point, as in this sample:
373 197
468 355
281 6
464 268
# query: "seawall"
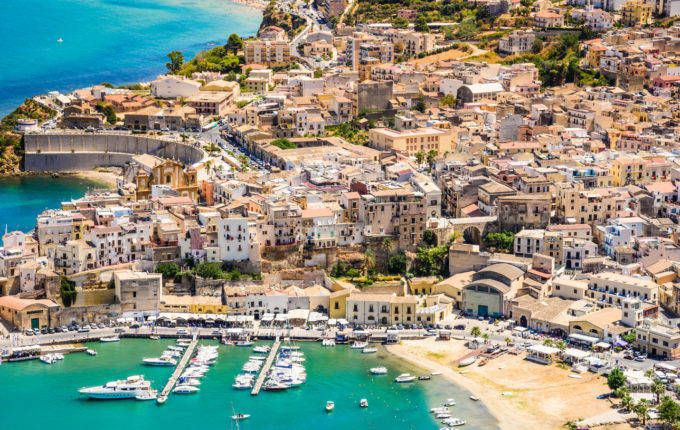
67 152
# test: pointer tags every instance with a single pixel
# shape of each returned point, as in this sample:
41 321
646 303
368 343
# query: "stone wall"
62 152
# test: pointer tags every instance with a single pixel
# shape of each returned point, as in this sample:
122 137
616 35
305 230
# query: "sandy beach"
520 394
106 176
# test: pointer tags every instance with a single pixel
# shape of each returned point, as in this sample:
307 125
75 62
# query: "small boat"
358 345
186 389
474 398
482 362
363 403
58 356
161 399
161 361
379 370
261 349
60 40
454 422
329 406
92 352
424 378
237 417
468 361
442 416
369 350
245 343
450 402
571 375
48 359
176 348
109 339
155 337
441 410
405 377
275 386
147 395
435 373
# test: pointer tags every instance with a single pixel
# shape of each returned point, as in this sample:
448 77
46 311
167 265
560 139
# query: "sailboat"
238 417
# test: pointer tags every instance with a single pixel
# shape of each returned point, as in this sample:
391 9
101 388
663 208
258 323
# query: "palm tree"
485 336
476 331
649 373
387 245
548 342
622 392
508 341
430 157
627 402
561 345
642 411
369 261
420 157
208 166
658 388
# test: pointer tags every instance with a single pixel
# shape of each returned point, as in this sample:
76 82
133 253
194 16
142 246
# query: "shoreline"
108 178
505 414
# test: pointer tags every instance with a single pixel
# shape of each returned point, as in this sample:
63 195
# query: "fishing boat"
155 337
442 416
262 349
474 398
369 350
468 361
245 343
91 352
379 370
450 402
405 377
440 410
236 417
358 345
329 406
453 422
109 339
482 362
48 359
435 373
176 348
186 389
363 403
424 378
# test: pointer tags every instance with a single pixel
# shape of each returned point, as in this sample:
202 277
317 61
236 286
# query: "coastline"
108 178
252 3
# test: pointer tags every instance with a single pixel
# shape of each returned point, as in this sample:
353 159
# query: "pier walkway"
178 371
266 367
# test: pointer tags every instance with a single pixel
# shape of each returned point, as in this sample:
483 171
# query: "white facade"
173 87
233 239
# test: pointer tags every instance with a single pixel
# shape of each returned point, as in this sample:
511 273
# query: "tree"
548 342
420 105
621 392
352 273
387 245
283 144
467 29
476 331
448 100
231 76
501 241
338 270
420 24
429 238
508 341
168 270
485 336
369 261
235 43
537 46
669 411
110 114
627 402
642 411
176 62
399 47
431 154
616 379
658 388
68 292
420 157
399 22
561 345
397 263
209 270
318 73
629 337
208 166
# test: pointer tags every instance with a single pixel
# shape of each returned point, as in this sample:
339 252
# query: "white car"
182 331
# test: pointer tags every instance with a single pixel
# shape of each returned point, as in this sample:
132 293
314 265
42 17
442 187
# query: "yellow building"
627 171
193 304
411 141
636 12
27 314
272 53
338 303
157 171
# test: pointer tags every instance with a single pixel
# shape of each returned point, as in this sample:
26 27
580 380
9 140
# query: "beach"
536 396
106 175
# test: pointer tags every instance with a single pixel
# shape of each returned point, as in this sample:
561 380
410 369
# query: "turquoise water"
23 198
117 41
44 396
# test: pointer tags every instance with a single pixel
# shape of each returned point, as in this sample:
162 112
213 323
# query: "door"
482 310
35 323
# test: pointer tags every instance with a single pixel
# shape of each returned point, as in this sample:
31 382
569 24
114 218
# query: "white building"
529 242
233 239
172 87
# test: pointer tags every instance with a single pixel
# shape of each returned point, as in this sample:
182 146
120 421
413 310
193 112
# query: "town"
509 179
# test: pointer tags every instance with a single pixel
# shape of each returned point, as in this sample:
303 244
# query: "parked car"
459 327
182 331
628 356
641 358
134 325
217 332
64 329
102 325
119 330
51 331
447 326
84 329
29 333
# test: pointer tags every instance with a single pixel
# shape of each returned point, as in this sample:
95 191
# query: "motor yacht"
124 389
160 361
186 389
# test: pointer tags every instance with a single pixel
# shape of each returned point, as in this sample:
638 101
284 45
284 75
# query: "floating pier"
266 367
178 371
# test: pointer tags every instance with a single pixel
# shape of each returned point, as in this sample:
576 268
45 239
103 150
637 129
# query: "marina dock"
266 367
163 396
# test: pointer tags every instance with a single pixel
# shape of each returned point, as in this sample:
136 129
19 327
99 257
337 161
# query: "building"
411 141
517 42
477 92
174 87
233 239
25 314
138 292
335 7
529 242
658 340
166 118
609 288
492 290
385 309
547 19
636 12
270 53
211 103
531 211
150 172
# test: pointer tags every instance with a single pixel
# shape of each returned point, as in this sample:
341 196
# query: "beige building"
212 103
27 314
411 141
609 288
383 309
272 53
658 340
138 291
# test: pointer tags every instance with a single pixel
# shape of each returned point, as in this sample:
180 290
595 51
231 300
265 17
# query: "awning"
268 317
584 338
603 345
621 342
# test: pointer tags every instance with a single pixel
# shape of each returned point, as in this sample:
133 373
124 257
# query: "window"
337 305
356 308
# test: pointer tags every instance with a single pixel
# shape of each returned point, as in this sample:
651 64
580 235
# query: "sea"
116 41
23 198
37 395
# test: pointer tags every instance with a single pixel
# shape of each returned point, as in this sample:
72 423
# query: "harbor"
188 353
340 371
265 369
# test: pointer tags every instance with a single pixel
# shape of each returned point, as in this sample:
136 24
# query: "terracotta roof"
18 304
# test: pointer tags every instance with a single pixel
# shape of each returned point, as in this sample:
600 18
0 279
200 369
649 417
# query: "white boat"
474 398
441 410
405 377
435 373
58 355
369 350
450 402
328 342
60 40
358 345
329 406
240 416
262 349
186 389
155 337
147 395
124 389
109 339
245 343
453 422
176 348
160 361
468 361
443 416
363 403
379 370
92 352
48 359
